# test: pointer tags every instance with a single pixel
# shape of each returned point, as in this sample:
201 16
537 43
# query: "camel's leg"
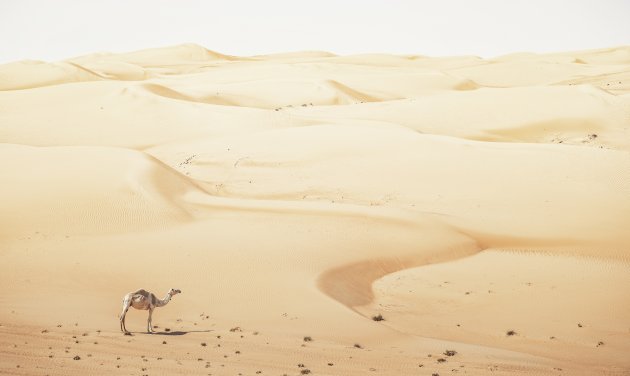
149 322
126 305
122 323
123 328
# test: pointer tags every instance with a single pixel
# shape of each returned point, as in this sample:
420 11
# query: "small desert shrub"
378 317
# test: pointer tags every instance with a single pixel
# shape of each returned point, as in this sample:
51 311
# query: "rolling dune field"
322 214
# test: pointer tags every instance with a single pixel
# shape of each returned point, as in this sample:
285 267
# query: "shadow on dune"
351 284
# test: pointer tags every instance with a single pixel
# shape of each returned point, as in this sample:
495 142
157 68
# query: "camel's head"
174 292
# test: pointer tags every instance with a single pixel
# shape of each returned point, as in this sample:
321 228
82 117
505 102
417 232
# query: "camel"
142 299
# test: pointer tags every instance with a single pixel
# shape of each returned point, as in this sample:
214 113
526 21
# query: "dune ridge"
337 214
133 191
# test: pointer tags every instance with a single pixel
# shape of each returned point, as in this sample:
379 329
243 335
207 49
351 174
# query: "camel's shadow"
178 332
169 333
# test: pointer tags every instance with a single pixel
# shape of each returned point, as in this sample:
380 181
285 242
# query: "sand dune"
129 192
32 74
541 297
540 114
478 207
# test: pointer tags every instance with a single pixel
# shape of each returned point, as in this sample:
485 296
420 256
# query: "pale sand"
299 195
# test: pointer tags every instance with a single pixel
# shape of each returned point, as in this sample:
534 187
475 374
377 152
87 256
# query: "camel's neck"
163 302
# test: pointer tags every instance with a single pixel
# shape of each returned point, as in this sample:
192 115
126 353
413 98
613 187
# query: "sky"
54 30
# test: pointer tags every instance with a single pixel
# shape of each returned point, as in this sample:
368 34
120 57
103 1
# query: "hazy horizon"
50 31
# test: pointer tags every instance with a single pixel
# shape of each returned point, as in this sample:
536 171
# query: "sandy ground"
480 207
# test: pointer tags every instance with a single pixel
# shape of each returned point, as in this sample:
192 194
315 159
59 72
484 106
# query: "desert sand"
322 214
